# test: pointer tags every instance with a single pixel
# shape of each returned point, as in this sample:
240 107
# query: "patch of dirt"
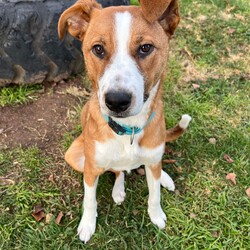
41 123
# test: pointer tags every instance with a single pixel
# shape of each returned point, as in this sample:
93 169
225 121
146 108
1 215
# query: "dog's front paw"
157 216
86 229
118 194
166 181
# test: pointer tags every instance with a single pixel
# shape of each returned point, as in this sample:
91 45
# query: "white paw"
86 228
118 192
166 181
185 119
157 216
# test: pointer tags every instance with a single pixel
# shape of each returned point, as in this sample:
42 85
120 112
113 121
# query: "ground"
208 78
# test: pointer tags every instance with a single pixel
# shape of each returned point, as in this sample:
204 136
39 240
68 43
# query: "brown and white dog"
123 126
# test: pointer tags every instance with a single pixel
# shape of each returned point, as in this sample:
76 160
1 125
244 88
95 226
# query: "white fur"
118 192
87 224
155 211
185 119
166 181
120 155
122 74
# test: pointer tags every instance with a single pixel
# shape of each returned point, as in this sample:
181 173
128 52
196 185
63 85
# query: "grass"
18 94
206 211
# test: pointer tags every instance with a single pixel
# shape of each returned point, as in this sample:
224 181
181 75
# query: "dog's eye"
145 49
98 51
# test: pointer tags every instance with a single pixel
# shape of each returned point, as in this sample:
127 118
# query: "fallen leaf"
141 171
59 217
169 161
216 234
248 192
38 216
231 177
212 141
192 215
48 218
228 158
77 92
6 181
231 31
51 178
37 208
195 86
240 17
207 191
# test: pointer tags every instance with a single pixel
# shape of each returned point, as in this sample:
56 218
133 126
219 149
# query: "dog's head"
125 49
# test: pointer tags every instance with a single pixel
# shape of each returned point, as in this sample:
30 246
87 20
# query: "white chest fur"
120 155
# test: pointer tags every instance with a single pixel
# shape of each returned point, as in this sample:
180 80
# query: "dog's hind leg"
166 181
118 192
173 133
75 154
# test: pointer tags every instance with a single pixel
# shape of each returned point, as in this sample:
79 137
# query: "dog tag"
132 136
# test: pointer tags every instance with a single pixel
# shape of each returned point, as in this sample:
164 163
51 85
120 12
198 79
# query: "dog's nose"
118 101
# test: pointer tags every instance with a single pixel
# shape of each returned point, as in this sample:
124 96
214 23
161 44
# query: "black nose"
118 101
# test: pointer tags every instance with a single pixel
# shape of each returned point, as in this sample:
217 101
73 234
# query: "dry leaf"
38 212
37 208
207 191
216 234
59 217
38 216
240 17
169 161
141 171
51 178
231 31
248 192
212 141
192 215
228 158
77 92
231 177
48 218
195 86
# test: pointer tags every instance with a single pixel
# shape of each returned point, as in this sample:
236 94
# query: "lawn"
209 78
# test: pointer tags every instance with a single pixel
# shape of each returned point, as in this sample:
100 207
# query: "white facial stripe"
123 25
122 74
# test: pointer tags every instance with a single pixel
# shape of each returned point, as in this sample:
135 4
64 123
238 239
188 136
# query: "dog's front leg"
156 214
87 224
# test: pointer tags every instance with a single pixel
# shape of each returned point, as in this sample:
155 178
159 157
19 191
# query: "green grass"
18 94
207 211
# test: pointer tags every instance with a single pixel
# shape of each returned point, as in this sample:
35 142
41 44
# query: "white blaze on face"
122 74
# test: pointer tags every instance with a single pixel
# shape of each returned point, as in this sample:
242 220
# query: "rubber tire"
30 51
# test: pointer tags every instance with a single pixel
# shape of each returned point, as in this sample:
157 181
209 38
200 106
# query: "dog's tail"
173 133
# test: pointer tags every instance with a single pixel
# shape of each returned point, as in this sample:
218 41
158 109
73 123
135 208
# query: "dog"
125 50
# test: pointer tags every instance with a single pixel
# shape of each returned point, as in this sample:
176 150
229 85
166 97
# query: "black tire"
30 51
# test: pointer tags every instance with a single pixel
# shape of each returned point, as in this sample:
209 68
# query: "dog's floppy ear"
164 11
76 18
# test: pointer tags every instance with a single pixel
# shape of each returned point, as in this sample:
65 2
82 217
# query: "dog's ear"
75 19
164 11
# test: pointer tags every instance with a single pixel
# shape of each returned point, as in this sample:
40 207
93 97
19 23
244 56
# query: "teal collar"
122 129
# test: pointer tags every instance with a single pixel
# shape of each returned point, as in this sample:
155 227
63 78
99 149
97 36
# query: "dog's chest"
120 155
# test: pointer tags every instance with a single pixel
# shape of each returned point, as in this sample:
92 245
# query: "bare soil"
42 122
